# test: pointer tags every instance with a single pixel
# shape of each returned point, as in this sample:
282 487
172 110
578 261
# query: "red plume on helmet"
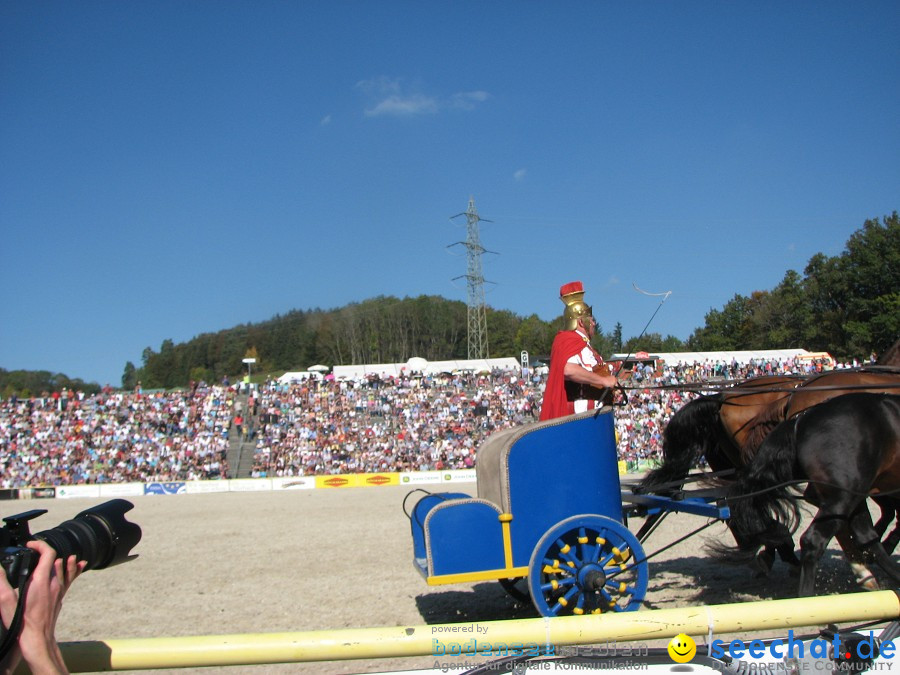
572 295
571 287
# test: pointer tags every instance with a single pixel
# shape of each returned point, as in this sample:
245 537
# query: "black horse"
696 432
693 432
848 449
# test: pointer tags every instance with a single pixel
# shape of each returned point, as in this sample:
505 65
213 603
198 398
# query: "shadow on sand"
691 580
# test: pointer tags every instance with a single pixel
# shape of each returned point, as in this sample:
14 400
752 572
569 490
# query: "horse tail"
763 508
685 439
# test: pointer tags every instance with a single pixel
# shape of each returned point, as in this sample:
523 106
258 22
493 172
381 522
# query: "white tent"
420 365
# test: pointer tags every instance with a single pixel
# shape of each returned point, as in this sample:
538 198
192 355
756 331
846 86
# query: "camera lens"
100 535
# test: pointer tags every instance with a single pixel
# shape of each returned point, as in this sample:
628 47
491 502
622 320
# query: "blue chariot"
549 509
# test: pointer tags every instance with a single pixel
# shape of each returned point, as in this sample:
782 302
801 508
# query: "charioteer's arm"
576 373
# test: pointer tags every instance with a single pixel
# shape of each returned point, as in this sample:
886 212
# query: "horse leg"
888 512
891 541
787 554
883 522
867 537
765 558
812 546
856 557
865 577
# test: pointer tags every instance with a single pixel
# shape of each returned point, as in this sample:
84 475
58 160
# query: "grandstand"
412 416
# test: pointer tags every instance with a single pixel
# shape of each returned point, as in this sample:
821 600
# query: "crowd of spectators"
115 437
408 423
318 426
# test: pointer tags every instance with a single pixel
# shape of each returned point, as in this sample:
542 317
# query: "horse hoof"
870 583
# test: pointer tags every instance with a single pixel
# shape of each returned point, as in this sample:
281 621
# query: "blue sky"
174 168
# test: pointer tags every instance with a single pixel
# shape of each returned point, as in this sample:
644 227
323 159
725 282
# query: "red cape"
566 344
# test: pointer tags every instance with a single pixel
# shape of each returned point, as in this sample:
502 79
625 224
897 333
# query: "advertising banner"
420 477
458 476
250 485
377 479
173 488
196 487
30 493
294 483
121 490
67 491
342 481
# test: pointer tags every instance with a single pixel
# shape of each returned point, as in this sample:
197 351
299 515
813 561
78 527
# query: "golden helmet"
572 294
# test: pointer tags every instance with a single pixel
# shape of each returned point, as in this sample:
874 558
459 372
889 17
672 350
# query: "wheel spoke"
584 547
556 584
553 566
566 600
579 605
608 601
567 553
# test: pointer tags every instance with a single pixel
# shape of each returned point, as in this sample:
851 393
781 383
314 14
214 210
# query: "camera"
100 535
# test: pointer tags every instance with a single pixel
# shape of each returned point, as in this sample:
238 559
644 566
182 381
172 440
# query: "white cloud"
520 174
325 120
416 104
391 96
467 100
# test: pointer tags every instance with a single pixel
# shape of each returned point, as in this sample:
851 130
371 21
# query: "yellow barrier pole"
404 641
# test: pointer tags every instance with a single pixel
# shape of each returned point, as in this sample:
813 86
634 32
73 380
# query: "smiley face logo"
682 648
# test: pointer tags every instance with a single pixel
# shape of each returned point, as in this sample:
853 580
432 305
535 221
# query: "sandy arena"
322 559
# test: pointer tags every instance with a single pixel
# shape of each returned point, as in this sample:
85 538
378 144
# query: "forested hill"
379 330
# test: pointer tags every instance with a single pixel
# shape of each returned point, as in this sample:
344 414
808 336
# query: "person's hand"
608 381
49 582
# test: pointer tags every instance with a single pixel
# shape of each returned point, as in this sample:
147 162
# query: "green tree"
618 343
534 336
724 330
871 275
653 342
502 327
129 376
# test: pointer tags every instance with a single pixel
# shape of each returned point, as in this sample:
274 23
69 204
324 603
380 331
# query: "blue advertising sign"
164 488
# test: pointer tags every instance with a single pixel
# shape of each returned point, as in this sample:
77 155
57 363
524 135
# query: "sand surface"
323 559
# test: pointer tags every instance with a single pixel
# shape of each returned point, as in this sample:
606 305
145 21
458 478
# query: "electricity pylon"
476 311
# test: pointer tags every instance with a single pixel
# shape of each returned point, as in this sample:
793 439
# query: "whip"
665 296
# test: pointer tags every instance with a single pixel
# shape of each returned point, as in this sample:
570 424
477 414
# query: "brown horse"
750 427
753 408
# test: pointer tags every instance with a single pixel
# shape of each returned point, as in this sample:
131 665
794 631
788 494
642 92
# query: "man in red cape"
574 383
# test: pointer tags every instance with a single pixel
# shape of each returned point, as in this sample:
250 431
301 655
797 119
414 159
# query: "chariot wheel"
587 564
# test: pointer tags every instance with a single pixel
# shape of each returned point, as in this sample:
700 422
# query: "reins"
732 386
